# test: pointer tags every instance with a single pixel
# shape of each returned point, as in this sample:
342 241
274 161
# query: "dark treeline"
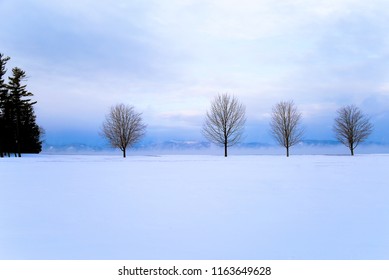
19 132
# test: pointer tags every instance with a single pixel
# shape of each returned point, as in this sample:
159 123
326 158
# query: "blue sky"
170 58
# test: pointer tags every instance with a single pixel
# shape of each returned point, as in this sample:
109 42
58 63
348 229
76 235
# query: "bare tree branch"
285 124
352 127
224 123
123 127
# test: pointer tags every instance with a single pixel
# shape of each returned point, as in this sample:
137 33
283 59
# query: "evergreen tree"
25 132
19 132
4 102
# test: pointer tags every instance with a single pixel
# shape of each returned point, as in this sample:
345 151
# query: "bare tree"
285 124
123 127
352 127
224 123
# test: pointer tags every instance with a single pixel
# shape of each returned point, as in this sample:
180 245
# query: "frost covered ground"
194 207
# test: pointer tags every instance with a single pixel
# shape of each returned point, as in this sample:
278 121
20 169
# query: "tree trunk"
287 151
225 149
352 151
124 152
18 151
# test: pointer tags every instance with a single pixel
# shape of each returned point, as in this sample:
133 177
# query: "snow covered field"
194 207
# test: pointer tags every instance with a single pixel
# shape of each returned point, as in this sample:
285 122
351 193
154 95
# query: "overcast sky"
170 58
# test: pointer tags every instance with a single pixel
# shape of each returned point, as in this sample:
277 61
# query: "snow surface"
194 207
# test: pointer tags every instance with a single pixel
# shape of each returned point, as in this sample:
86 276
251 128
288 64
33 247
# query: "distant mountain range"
179 145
